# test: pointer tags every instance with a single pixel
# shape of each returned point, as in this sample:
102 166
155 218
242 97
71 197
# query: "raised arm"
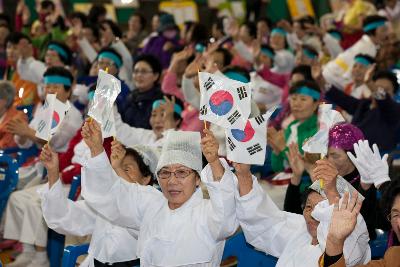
61 214
265 226
121 202
220 211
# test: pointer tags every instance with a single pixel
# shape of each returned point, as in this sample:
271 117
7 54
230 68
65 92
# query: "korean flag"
107 89
248 145
51 115
224 102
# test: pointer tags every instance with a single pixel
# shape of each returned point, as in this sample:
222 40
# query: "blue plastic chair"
56 241
71 254
379 245
246 255
8 178
21 154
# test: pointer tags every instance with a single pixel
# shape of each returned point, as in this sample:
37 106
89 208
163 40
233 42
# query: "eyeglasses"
104 63
393 216
143 72
180 174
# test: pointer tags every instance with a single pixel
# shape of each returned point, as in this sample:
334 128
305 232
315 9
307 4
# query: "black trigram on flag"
232 146
254 149
259 119
209 83
203 110
242 92
41 125
234 117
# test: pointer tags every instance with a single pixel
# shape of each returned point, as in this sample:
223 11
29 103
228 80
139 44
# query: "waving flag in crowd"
107 89
51 115
327 118
224 102
248 145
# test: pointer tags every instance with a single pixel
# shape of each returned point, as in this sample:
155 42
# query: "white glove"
373 168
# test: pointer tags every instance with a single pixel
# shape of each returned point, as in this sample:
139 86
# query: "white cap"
182 147
150 156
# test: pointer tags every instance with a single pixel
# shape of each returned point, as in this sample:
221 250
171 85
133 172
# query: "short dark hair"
114 27
79 15
200 33
47 4
308 83
336 32
370 59
391 192
15 37
388 75
142 20
93 28
226 54
305 20
305 195
95 12
66 60
372 19
5 18
304 70
252 28
152 61
219 24
143 168
266 20
60 71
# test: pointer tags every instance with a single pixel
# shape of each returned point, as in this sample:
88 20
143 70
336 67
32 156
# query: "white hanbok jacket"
192 235
284 235
109 244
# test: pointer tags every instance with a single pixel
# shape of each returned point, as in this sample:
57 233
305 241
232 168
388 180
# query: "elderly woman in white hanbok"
110 243
178 227
297 240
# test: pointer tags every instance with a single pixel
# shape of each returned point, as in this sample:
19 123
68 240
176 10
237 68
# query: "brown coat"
391 259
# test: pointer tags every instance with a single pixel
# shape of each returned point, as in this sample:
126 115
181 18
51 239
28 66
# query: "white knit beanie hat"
182 147
150 156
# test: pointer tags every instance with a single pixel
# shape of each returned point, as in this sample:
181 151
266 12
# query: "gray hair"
7 92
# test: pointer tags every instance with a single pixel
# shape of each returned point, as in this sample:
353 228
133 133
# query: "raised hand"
118 153
91 133
276 139
343 222
373 168
51 163
195 66
19 126
326 171
296 163
168 115
209 146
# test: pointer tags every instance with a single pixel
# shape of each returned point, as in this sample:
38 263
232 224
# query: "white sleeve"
31 69
332 45
190 93
284 62
356 249
120 202
125 73
129 135
221 210
243 51
64 215
87 49
292 40
265 226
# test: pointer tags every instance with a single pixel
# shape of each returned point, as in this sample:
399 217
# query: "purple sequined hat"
344 135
